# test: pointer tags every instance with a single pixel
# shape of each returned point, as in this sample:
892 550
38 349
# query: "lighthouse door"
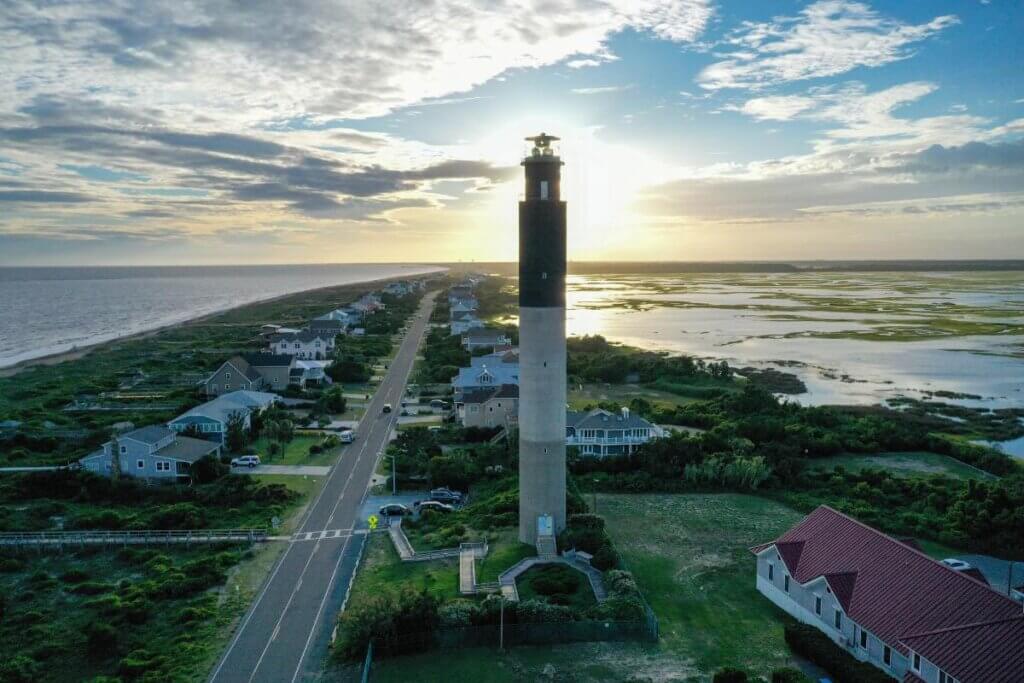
545 526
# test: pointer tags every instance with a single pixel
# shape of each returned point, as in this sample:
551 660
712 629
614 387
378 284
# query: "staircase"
546 547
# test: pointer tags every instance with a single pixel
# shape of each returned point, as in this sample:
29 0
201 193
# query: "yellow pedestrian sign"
372 520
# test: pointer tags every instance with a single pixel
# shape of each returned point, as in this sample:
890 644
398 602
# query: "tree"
237 437
207 469
101 640
349 370
332 401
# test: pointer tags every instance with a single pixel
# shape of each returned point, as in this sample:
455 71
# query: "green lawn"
581 396
690 556
556 583
910 464
296 451
381 571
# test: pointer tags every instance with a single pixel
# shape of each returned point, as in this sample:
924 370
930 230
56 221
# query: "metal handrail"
25 537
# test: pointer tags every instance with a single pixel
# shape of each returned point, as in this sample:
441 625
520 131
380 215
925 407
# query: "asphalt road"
283 635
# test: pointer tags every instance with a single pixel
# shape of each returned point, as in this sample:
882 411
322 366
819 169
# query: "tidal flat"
851 337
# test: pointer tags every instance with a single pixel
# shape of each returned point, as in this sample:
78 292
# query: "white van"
347 436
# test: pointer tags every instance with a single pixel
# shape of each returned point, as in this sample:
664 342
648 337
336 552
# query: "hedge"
811 643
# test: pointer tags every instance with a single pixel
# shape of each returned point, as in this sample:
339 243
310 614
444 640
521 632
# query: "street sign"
372 520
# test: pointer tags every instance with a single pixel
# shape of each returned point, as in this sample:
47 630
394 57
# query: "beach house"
154 452
210 420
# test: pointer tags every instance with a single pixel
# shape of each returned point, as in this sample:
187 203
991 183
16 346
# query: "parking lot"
373 504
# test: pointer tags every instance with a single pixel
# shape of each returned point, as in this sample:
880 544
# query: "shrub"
11 564
100 640
789 675
606 557
19 669
90 588
555 580
386 620
74 576
814 645
730 675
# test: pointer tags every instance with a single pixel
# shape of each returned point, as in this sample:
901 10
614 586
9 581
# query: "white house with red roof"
887 603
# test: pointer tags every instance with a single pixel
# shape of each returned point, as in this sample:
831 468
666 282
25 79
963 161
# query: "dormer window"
227 375
916 664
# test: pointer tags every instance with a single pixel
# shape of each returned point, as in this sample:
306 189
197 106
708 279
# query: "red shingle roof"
894 591
992 652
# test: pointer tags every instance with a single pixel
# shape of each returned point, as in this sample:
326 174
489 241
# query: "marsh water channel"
853 338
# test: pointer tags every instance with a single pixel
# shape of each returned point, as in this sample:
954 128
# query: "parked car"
445 495
387 407
435 506
395 510
958 565
246 461
347 436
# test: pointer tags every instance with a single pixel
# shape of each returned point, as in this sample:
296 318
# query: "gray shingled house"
153 452
251 372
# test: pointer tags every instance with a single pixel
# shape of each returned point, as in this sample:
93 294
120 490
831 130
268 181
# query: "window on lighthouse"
543 189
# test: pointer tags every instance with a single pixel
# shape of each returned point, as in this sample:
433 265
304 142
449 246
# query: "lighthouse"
542 378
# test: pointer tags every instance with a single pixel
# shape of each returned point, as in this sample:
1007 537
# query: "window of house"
917 662
887 655
771 571
141 464
124 450
945 677
163 466
864 639
785 583
227 375
227 387
839 619
817 606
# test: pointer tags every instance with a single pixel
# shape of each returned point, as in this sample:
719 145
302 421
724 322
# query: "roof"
599 418
485 334
326 324
992 651
266 360
222 407
242 365
898 593
484 394
304 336
187 449
148 435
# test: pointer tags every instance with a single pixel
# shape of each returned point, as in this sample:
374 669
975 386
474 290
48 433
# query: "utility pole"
394 476
501 629
595 496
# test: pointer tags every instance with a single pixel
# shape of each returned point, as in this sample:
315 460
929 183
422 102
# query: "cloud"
778 108
260 61
41 197
601 90
829 37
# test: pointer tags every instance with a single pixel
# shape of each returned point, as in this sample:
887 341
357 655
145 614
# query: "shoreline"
59 357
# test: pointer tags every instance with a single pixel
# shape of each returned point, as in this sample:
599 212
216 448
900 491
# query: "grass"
296 451
911 464
382 571
581 396
502 554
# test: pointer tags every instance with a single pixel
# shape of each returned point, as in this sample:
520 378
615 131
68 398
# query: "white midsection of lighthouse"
542 401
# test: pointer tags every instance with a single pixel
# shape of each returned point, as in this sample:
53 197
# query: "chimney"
625 413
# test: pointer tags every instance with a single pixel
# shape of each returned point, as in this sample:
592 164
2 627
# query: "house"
600 432
487 406
491 370
306 372
210 419
887 603
306 344
153 452
267 331
368 303
462 323
1017 593
484 338
250 372
328 326
345 315
463 305
459 292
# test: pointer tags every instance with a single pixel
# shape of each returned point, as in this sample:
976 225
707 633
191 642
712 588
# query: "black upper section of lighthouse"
542 229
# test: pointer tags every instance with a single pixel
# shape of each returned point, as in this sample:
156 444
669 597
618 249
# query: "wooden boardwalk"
58 540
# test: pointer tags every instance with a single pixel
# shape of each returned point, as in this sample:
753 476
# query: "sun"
600 181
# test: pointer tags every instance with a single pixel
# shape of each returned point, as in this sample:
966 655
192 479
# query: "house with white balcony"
601 433
483 338
888 604
305 344
461 323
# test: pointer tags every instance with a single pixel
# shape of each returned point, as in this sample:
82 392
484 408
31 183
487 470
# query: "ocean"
44 311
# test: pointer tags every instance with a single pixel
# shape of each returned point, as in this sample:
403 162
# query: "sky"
184 132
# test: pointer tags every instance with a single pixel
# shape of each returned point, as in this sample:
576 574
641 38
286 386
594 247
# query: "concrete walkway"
507 580
297 470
